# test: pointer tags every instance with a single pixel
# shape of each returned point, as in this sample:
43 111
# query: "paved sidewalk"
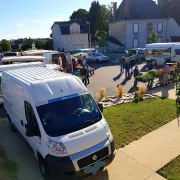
141 159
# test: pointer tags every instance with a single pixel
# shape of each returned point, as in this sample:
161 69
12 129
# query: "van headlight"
56 147
106 127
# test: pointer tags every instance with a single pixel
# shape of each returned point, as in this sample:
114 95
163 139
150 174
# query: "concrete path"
141 159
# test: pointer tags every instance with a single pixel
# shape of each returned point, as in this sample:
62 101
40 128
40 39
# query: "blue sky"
34 18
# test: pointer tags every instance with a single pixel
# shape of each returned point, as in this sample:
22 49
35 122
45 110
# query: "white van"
162 52
59 119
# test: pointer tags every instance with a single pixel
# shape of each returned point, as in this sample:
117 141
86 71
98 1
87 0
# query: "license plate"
95 168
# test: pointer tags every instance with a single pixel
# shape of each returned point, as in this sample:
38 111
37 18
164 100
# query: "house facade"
70 36
135 20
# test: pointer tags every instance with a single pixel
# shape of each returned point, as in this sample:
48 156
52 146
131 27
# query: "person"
84 72
74 64
132 63
165 74
136 73
127 68
152 65
123 59
80 60
88 73
84 61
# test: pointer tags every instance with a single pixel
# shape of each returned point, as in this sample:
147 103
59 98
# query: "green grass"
129 122
172 170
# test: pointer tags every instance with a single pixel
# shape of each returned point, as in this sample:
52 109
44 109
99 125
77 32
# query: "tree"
153 38
102 35
27 44
40 44
5 45
49 44
80 14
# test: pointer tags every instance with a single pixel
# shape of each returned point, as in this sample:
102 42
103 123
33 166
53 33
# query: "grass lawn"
129 122
172 170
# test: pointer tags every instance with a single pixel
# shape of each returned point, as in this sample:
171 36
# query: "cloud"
20 25
39 21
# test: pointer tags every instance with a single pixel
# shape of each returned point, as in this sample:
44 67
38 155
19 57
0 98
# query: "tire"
43 169
12 127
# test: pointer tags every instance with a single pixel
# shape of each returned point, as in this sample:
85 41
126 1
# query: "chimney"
126 8
114 4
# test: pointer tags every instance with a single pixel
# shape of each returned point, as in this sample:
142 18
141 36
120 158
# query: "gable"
138 9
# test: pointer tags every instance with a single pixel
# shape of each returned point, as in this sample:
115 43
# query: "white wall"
143 32
58 40
71 40
117 30
173 29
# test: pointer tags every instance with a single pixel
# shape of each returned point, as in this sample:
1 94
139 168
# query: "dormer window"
75 28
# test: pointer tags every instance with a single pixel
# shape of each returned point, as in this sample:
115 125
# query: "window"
135 43
150 27
30 117
136 28
177 52
69 115
160 27
159 39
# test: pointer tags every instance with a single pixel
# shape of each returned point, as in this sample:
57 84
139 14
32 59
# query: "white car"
96 57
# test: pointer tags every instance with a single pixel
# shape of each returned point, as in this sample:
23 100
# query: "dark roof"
139 9
65 26
114 41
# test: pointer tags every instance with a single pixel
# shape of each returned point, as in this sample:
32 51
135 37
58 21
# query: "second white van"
59 119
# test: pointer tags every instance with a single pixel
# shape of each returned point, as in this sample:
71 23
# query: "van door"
34 142
176 53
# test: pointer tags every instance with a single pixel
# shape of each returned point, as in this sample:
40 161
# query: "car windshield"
69 115
99 54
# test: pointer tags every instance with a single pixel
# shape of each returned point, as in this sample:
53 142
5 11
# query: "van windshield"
69 115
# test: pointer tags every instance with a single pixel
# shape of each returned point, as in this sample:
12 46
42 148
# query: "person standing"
127 68
136 73
80 59
84 72
84 61
132 64
166 71
88 73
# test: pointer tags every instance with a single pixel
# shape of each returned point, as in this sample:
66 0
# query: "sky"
34 18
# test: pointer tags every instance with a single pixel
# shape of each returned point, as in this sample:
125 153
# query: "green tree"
49 44
27 44
102 35
5 45
153 38
80 14
40 44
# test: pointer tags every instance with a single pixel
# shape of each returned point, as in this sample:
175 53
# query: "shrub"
142 90
102 93
136 100
120 91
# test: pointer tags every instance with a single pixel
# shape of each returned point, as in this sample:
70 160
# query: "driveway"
108 76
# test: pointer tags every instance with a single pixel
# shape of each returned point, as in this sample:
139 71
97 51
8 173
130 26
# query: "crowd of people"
85 71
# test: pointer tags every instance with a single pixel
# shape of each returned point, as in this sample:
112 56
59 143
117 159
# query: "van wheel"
13 129
43 169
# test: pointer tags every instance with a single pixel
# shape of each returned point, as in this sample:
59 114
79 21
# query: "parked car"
96 57
59 119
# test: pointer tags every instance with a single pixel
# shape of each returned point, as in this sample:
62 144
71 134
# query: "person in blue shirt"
136 73
127 68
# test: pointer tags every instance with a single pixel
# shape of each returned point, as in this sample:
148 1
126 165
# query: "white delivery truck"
59 119
162 52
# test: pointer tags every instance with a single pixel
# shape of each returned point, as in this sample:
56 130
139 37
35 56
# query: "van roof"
45 84
162 44
33 74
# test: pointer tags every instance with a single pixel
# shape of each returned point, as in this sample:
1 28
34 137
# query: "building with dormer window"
70 35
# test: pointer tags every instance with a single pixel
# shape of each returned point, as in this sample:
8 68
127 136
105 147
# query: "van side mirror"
31 130
100 105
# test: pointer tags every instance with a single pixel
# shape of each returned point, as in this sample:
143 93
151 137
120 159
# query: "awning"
157 48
